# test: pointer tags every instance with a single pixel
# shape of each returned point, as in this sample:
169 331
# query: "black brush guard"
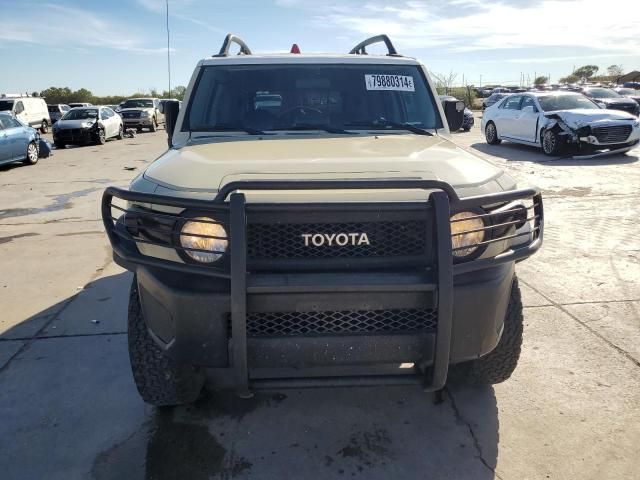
442 200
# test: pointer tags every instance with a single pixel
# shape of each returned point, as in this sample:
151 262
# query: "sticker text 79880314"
403 83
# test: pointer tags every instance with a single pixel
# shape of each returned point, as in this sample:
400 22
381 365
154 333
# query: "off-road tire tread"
497 366
160 381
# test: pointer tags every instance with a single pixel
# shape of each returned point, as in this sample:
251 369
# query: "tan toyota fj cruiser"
312 223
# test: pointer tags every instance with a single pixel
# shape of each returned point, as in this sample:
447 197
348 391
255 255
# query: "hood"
588 116
206 167
64 124
135 109
615 101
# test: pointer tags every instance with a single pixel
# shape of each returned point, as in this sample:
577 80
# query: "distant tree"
179 91
586 71
444 81
541 80
615 70
569 79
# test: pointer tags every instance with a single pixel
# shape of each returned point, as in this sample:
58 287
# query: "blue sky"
118 47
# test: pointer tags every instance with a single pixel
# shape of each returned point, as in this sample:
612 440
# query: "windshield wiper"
326 128
224 127
381 125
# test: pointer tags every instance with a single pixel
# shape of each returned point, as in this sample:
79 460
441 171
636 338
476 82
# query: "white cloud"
87 30
470 25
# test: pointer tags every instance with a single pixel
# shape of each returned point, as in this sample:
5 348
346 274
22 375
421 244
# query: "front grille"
70 134
614 134
386 239
291 324
131 115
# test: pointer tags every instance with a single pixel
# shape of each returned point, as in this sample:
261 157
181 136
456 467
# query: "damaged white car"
555 121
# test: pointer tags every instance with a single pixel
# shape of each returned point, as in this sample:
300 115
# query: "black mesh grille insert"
614 134
279 324
386 239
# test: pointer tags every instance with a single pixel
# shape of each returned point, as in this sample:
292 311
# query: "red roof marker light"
295 48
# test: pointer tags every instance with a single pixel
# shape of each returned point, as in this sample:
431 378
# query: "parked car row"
554 121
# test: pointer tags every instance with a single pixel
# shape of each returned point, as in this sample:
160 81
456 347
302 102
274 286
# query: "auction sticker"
402 83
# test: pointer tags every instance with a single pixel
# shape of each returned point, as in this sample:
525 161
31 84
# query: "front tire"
32 154
120 133
154 125
551 143
101 137
44 127
160 380
498 365
491 134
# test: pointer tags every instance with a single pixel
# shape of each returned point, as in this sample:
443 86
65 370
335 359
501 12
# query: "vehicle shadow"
524 153
68 393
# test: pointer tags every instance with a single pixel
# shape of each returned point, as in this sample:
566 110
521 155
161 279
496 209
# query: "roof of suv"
358 54
328 58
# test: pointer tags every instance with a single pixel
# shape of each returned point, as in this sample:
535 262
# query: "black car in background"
607 98
629 93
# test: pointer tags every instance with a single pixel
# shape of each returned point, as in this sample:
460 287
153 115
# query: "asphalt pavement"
69 408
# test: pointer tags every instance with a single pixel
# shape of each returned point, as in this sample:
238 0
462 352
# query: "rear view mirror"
171 109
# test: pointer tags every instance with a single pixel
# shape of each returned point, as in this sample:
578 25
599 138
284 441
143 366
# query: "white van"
31 111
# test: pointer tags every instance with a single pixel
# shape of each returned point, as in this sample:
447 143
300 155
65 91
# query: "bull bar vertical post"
238 226
445 291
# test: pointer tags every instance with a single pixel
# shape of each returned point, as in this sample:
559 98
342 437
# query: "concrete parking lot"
69 408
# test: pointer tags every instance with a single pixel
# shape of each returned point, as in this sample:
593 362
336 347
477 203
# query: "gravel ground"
69 409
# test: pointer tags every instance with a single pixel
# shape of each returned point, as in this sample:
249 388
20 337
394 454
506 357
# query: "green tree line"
66 95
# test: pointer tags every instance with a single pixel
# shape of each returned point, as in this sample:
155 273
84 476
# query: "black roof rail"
360 49
228 40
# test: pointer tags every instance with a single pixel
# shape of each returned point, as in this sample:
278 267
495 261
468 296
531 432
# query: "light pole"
168 51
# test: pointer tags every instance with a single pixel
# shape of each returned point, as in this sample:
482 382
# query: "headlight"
144 114
87 124
201 234
466 231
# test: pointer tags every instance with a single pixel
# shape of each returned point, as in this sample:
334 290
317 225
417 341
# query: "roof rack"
360 49
229 39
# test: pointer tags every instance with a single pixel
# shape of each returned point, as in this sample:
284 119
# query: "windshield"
628 91
81 114
601 93
139 103
565 102
6 105
299 97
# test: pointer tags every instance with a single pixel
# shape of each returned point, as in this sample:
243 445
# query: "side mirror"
161 107
19 109
171 109
454 112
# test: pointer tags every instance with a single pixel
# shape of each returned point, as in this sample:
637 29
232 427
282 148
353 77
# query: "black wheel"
32 154
160 381
120 133
44 127
101 137
491 134
154 125
551 143
59 145
139 130
497 366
